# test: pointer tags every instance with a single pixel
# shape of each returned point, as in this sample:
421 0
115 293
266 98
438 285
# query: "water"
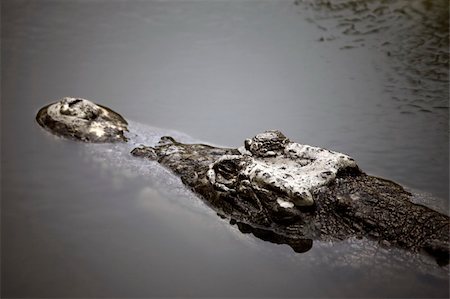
91 221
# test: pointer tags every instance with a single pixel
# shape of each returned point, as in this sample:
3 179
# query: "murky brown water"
368 78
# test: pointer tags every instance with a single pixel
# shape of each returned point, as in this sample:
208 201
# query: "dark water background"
368 78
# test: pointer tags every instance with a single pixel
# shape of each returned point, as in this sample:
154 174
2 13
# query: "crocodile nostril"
74 102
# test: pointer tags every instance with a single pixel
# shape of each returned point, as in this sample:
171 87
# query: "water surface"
368 78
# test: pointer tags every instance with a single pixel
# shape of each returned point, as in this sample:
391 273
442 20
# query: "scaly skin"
352 204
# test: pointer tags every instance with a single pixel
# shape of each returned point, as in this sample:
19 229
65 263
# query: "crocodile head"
278 172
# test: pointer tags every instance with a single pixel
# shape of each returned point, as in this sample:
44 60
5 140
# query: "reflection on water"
412 35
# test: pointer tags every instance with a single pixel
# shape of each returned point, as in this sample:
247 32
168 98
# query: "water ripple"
412 36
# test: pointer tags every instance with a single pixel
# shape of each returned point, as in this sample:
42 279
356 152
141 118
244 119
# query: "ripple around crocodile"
280 191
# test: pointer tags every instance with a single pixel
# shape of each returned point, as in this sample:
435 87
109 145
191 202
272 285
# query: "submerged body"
257 188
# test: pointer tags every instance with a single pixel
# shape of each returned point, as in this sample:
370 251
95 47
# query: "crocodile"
281 191
289 193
